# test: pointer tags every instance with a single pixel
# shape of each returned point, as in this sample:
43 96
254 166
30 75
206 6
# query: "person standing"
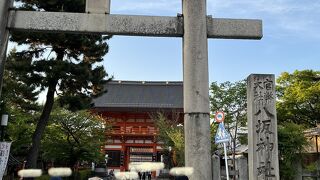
140 175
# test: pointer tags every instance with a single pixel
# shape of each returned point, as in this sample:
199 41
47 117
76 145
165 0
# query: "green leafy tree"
231 99
298 107
173 136
64 65
19 101
73 137
20 128
16 94
171 133
299 97
292 143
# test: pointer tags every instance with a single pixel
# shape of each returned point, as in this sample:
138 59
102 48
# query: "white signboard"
4 156
222 135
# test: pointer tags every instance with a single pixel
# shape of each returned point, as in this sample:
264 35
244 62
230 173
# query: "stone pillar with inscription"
262 127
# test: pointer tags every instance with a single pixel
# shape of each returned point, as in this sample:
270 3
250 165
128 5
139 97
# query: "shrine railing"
133 131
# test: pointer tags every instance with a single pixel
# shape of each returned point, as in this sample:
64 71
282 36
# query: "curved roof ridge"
145 82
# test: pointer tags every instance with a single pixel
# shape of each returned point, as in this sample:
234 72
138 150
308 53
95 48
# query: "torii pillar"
194 27
4 35
196 89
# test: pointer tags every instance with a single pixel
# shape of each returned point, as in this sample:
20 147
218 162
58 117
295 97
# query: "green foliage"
19 101
312 167
73 137
54 5
43 177
243 139
16 92
291 143
69 62
82 174
299 103
66 65
172 135
299 97
73 70
20 128
231 99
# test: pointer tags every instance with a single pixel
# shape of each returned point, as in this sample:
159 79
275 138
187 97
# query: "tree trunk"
41 125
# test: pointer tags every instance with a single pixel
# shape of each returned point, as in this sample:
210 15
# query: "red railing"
134 131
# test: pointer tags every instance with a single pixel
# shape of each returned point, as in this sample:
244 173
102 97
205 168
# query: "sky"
291 36
290 41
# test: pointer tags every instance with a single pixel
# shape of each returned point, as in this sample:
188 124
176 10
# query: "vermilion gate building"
131 107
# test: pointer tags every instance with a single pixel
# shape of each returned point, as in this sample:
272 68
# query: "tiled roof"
141 94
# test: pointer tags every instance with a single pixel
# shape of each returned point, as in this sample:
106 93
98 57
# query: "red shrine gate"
130 106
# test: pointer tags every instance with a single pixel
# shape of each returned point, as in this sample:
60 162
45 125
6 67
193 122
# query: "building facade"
131 108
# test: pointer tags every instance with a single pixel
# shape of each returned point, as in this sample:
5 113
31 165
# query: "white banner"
4 156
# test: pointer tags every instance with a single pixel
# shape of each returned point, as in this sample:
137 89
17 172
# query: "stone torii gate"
194 26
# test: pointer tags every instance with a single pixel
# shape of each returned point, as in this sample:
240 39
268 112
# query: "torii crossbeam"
194 26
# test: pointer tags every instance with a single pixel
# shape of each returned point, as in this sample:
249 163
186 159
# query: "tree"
299 97
291 143
65 65
231 99
73 137
16 94
173 136
298 106
19 101
20 129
